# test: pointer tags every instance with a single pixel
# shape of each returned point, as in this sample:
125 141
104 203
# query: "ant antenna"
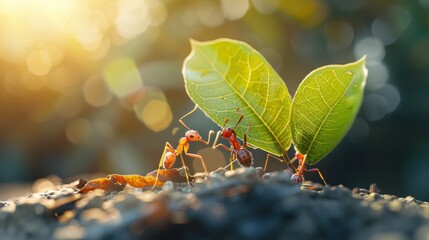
227 120
189 113
237 111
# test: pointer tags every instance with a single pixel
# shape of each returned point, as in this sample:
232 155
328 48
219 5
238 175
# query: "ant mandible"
169 154
238 152
298 176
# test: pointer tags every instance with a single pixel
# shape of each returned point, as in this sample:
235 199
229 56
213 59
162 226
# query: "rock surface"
240 204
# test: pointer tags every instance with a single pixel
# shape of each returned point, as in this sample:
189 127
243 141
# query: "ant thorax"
234 142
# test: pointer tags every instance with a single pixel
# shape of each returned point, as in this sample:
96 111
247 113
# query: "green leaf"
324 107
223 75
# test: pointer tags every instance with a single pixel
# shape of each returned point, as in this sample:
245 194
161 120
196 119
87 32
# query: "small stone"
221 171
259 172
373 188
214 176
389 197
243 174
79 184
395 205
409 199
3 204
336 192
280 177
168 186
90 201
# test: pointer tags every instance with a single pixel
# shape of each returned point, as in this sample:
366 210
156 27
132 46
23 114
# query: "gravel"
239 204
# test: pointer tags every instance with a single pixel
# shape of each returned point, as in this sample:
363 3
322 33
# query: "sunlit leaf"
223 75
324 107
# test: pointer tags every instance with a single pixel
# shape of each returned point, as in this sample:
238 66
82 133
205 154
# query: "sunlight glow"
122 77
40 35
39 62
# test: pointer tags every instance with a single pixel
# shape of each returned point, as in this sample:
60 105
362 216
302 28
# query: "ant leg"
268 157
320 174
232 158
293 160
184 168
220 144
289 162
169 148
193 155
224 147
189 113
229 164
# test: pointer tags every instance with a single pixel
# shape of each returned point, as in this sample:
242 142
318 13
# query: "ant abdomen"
244 157
297 178
169 160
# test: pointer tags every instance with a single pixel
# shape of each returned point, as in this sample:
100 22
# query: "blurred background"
96 86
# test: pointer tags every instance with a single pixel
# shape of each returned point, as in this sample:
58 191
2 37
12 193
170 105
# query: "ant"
298 176
239 152
169 154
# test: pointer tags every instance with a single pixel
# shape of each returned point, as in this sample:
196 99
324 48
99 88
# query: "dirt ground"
240 204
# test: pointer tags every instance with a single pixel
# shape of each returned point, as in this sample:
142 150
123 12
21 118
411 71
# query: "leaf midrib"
243 99
330 110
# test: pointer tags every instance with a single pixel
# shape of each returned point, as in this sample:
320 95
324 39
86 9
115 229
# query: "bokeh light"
213 159
234 9
96 93
153 110
372 47
209 13
96 86
378 74
266 6
122 77
78 131
390 25
39 62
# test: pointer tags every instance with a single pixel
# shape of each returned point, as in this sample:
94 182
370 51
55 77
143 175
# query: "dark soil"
232 205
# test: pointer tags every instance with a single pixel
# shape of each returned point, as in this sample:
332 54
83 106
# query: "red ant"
169 154
238 152
298 176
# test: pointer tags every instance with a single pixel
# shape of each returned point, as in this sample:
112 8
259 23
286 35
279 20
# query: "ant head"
227 132
192 136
